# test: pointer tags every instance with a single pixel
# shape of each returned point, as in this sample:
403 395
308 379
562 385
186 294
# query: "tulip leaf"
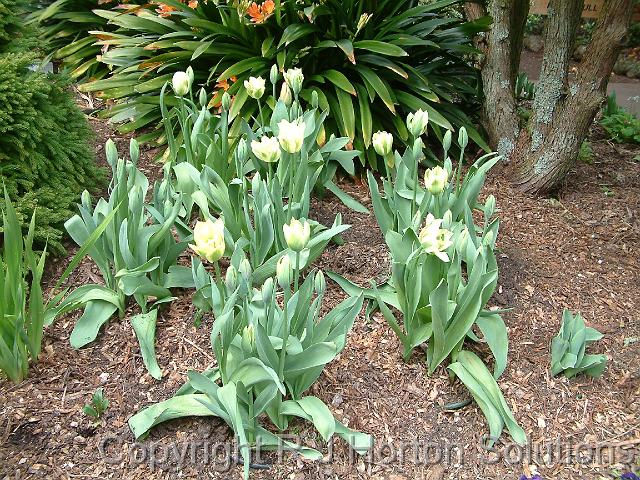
473 373
176 407
96 314
144 325
495 333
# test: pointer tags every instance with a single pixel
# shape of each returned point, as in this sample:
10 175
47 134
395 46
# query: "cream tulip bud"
226 101
245 270
181 83
321 138
382 143
291 135
489 207
241 150
294 79
231 278
274 74
285 95
208 238
463 138
255 87
248 338
319 283
284 271
202 97
267 291
267 149
446 142
297 234
435 180
417 122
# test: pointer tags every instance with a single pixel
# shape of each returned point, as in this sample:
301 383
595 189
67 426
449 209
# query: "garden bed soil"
580 251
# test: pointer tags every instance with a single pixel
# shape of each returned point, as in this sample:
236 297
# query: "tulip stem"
216 266
290 192
459 171
415 191
225 140
285 333
296 272
183 119
261 117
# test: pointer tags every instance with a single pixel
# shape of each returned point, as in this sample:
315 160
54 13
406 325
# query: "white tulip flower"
267 149
181 83
417 122
255 87
382 143
297 234
208 238
435 240
435 180
291 135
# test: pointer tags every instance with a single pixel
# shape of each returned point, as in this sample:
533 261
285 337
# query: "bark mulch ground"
580 251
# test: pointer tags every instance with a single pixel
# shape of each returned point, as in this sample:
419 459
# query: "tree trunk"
543 153
563 113
497 71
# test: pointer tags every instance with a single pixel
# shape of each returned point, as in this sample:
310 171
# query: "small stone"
104 376
337 400
579 52
533 43
79 440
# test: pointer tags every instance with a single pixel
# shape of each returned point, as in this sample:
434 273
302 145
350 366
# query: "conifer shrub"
46 157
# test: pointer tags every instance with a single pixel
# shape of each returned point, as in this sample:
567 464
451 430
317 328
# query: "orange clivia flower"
165 10
221 87
193 3
268 7
260 13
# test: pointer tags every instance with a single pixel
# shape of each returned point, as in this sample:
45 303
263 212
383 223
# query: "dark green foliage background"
46 157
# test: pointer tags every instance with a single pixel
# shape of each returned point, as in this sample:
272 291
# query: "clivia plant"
368 63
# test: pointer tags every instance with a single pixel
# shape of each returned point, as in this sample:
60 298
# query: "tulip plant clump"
268 354
284 156
133 254
22 303
568 354
443 266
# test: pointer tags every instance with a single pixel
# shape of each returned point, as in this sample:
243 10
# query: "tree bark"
497 71
563 112
499 114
